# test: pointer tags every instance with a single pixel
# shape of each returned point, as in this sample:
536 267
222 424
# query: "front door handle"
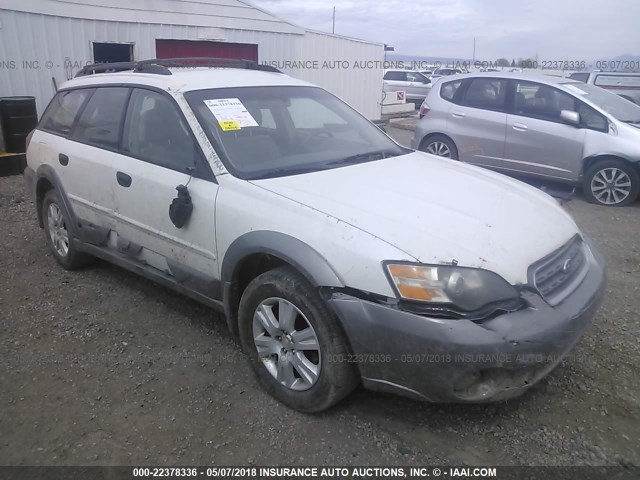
521 127
457 114
123 179
63 159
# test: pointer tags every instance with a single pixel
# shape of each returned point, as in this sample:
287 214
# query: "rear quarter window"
449 89
63 110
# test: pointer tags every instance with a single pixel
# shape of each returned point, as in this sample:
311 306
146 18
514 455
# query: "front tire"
441 146
613 183
295 344
59 237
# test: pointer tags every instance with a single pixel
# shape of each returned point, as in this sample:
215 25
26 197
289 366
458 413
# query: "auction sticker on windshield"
231 113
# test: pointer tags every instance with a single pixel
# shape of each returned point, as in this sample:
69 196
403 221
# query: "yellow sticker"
229 125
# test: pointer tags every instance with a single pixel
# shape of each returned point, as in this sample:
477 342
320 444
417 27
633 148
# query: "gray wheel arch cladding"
289 249
46 172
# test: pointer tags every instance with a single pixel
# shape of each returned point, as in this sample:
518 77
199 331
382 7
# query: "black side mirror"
181 207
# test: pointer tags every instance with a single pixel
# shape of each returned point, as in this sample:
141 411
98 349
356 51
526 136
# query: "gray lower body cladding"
445 360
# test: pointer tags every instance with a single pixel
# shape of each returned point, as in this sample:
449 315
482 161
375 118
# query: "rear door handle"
63 159
457 114
123 179
521 127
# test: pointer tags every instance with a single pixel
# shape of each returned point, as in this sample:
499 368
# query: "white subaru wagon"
338 257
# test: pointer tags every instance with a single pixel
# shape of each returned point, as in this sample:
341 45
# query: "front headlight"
468 289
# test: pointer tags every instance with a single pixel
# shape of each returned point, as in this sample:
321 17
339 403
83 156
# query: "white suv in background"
625 84
415 84
337 255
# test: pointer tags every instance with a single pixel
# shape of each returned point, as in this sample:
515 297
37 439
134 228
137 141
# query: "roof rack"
160 66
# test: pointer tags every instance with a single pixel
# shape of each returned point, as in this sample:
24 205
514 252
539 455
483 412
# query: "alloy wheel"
611 186
287 344
58 230
439 148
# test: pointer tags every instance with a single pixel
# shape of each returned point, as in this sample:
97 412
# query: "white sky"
554 29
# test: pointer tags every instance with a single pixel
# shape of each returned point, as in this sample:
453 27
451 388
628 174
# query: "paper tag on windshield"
230 113
575 90
229 125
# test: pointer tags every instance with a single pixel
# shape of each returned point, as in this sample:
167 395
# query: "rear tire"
301 357
59 237
441 146
612 183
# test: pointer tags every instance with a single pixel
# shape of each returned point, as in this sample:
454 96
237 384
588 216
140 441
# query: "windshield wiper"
281 172
365 157
353 159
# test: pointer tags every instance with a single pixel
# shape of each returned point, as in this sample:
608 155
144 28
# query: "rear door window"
397 76
63 109
487 94
99 123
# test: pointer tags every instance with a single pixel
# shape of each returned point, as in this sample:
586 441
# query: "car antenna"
190 171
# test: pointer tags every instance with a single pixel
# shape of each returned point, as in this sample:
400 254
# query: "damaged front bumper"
443 360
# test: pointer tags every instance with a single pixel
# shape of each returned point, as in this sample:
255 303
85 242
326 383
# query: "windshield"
613 104
264 132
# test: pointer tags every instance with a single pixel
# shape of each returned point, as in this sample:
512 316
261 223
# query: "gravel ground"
101 367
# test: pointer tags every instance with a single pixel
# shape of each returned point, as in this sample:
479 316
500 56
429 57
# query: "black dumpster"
18 116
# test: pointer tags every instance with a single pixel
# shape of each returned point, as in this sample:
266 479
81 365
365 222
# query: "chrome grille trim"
557 275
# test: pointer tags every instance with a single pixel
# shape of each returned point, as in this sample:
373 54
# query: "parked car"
413 83
627 85
547 127
337 256
445 72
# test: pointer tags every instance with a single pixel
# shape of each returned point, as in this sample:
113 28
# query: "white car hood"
438 211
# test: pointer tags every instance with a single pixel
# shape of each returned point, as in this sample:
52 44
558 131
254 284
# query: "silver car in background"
547 127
